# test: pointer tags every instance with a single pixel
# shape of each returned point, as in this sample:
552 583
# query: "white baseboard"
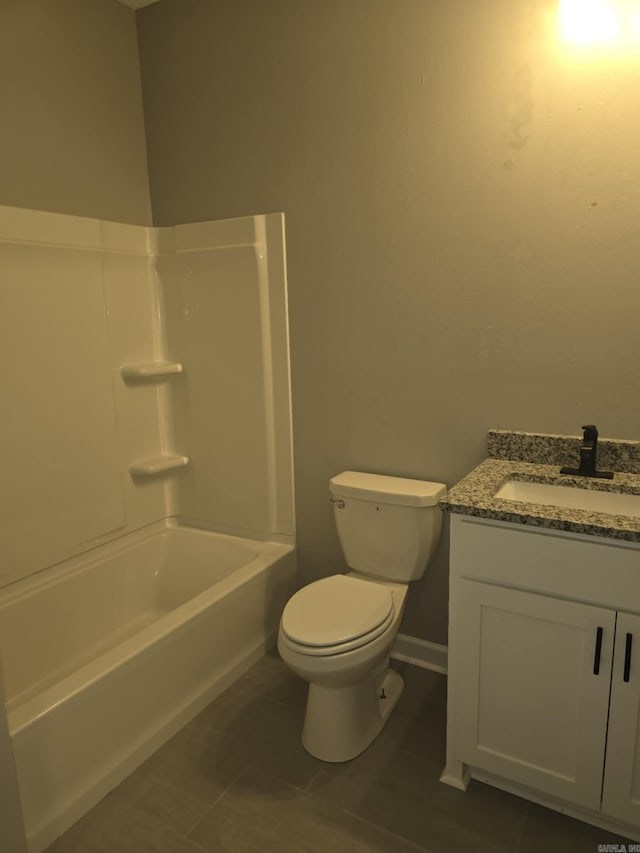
420 653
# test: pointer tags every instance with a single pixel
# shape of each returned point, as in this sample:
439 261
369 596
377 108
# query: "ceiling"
137 4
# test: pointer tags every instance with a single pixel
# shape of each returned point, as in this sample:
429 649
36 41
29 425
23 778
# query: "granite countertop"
510 459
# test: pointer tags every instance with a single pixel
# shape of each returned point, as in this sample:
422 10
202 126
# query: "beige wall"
462 232
72 137
460 206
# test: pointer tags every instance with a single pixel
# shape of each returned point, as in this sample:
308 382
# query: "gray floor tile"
549 830
401 792
419 720
146 817
125 840
198 770
237 779
269 678
260 732
267 738
283 685
260 813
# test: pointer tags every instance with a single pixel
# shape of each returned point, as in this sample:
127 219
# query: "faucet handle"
590 432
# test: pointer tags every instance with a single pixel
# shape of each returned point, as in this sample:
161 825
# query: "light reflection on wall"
613 24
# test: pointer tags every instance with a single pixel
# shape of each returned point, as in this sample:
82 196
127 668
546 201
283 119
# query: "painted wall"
72 136
462 234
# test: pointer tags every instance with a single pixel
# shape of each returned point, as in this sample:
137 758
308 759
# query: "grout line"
213 804
522 828
413 846
387 832
197 846
312 780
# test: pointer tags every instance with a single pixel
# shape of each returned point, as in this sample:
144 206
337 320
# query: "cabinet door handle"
596 658
627 657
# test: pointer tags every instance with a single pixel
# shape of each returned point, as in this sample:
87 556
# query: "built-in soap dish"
155 465
150 371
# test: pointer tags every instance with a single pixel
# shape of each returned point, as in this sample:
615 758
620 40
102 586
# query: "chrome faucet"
588 455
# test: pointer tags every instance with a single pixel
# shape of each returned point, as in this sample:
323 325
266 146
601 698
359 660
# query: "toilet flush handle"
338 502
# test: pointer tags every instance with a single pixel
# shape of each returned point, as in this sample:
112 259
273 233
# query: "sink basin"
572 497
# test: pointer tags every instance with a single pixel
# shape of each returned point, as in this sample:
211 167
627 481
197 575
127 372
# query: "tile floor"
237 780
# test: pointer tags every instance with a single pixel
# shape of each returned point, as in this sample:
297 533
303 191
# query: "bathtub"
105 656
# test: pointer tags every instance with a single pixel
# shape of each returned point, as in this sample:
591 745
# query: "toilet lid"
336 610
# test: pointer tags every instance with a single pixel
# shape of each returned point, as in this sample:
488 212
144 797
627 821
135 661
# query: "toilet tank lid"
390 490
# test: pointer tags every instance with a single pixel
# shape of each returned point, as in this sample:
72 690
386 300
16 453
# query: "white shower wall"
80 299
225 301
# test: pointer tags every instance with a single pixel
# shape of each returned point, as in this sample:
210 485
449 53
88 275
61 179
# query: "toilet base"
341 722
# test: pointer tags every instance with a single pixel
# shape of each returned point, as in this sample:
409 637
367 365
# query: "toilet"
337 632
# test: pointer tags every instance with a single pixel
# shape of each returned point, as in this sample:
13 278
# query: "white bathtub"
106 656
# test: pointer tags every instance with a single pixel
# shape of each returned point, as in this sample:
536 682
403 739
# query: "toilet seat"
328 651
336 614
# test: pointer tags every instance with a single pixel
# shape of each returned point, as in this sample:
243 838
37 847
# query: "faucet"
588 453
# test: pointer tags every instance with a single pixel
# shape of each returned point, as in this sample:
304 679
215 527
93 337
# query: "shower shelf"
158 465
150 371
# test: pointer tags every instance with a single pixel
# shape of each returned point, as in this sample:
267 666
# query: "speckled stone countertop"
518 456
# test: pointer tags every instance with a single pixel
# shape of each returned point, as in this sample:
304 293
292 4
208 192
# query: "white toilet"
337 633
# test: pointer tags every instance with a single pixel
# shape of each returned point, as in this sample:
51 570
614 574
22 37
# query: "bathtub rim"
35 707
24 586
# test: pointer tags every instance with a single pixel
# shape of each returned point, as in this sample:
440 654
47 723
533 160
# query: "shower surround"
146 399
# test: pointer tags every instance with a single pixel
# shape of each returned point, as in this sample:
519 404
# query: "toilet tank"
388 527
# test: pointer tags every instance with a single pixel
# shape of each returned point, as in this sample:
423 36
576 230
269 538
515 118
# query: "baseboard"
420 653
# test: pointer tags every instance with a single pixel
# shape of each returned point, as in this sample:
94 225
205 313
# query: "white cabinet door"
621 792
533 682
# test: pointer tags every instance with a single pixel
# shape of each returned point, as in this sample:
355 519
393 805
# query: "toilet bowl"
344 656
337 632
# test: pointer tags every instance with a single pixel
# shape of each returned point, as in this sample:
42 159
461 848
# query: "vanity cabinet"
621 789
544 667
530 707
